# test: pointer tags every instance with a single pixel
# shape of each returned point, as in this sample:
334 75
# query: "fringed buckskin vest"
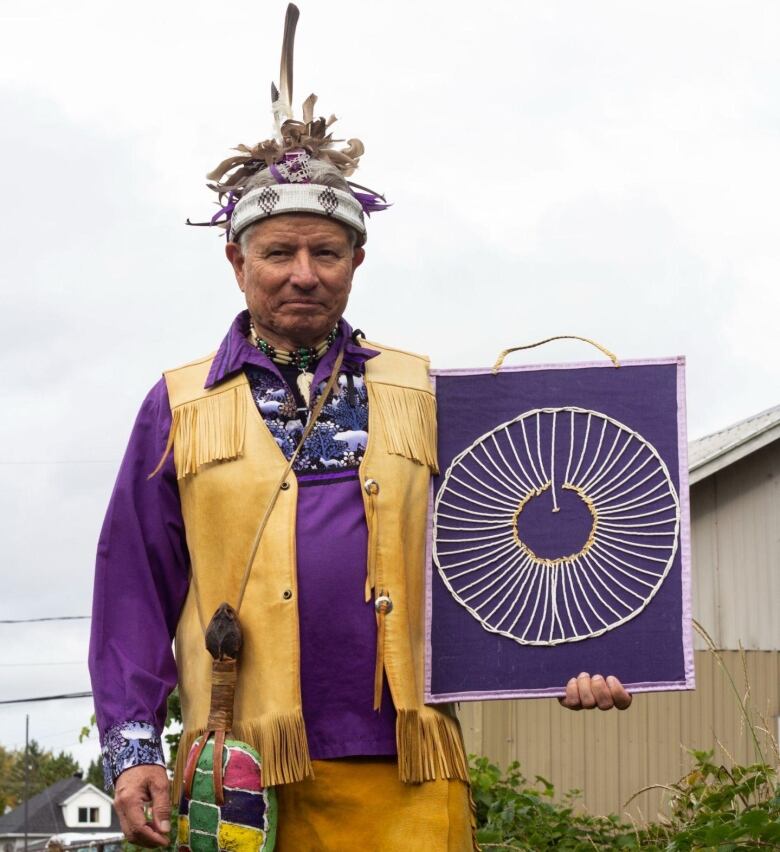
227 465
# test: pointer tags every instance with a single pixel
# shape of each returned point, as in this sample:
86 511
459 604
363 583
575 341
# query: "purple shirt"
142 569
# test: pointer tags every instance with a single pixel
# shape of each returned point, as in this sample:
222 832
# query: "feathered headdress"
288 158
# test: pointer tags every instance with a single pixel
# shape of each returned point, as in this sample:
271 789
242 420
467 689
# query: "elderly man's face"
296 275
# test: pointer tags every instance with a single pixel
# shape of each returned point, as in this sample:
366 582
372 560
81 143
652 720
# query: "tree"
95 774
45 768
6 767
173 716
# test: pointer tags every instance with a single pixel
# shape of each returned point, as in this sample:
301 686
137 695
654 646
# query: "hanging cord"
500 360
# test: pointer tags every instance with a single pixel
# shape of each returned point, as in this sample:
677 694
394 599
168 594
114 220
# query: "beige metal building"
735 520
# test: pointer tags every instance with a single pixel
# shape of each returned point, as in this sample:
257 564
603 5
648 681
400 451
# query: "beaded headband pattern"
265 201
288 157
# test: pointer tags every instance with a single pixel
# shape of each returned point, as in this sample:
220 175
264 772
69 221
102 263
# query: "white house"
69 806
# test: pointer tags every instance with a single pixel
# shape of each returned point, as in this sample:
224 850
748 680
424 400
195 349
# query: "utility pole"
26 773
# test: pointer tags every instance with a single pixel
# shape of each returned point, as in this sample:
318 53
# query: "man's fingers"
601 693
587 699
586 692
620 697
161 805
572 697
136 829
128 804
135 787
132 818
145 835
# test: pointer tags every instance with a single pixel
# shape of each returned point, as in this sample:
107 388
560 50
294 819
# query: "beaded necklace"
303 358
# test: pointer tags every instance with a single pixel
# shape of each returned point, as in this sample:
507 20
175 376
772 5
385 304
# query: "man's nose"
303 273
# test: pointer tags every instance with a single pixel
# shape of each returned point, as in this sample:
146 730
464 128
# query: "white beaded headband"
265 201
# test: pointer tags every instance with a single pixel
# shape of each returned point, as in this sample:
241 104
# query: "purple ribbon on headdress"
226 211
296 166
278 176
216 219
370 202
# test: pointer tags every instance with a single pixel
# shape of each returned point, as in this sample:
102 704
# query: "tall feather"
282 106
288 43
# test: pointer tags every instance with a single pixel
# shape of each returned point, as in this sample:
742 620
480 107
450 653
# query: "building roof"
44 812
712 453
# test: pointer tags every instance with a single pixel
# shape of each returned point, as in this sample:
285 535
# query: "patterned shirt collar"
236 351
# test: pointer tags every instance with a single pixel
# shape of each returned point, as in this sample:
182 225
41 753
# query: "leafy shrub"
714 807
711 808
513 814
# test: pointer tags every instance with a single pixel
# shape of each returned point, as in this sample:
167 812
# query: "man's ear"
236 258
358 256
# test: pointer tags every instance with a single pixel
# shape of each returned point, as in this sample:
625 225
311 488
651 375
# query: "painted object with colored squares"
224 805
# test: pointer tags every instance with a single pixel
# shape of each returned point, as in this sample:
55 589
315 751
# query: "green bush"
515 814
711 808
714 807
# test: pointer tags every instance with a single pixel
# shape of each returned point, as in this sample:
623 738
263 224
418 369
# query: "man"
331 598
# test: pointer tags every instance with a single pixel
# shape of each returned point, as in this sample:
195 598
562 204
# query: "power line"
60 663
51 618
57 733
47 698
59 461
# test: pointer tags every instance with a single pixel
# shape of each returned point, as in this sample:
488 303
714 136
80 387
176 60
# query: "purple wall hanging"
559 530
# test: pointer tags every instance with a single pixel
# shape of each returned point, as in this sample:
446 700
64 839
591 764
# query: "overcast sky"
608 169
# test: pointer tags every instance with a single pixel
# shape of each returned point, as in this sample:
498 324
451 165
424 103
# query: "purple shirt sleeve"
141 581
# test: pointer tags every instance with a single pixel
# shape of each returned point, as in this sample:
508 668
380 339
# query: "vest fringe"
408 419
430 745
206 430
279 739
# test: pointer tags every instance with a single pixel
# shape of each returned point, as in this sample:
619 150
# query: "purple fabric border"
428 592
685 531
685 541
429 698
659 686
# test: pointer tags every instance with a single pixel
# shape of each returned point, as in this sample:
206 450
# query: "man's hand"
586 692
135 788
